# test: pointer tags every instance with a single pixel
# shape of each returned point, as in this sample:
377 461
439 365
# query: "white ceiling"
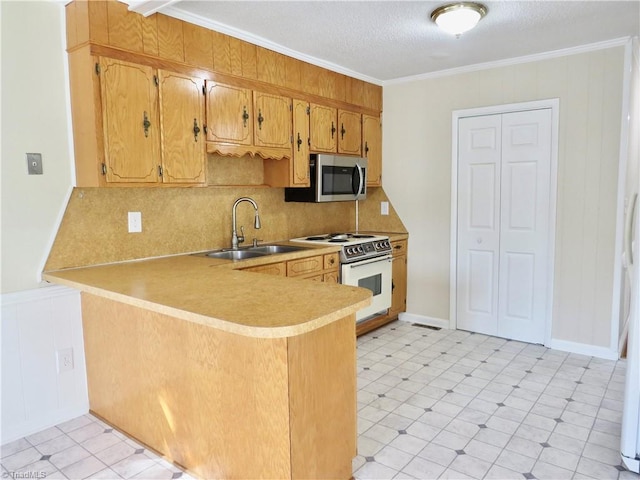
386 41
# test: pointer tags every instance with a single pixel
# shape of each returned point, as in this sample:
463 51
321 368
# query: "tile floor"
431 404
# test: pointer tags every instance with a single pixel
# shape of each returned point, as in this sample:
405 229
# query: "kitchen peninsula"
230 374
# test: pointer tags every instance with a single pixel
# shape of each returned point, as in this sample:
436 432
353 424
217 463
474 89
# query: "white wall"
34 119
35 322
417 177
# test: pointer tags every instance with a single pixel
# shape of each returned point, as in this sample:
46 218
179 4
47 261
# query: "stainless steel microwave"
333 178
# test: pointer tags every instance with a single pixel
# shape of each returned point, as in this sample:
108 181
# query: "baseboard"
423 320
36 425
583 349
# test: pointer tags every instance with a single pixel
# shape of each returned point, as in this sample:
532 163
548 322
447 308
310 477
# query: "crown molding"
617 42
176 12
148 7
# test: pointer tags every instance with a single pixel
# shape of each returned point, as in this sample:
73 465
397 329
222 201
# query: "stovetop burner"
355 246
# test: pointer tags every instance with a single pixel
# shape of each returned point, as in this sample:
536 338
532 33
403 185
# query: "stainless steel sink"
271 249
235 254
252 252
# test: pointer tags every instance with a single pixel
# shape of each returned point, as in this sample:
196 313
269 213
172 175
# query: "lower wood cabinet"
321 268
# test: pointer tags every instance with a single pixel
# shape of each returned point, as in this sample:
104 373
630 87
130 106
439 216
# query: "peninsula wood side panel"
220 404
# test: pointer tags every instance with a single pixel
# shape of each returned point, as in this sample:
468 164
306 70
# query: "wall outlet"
65 360
384 208
135 222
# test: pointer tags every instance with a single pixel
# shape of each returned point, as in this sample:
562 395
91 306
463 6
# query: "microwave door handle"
360 181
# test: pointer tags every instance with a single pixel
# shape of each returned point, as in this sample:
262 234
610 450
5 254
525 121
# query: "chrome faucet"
235 238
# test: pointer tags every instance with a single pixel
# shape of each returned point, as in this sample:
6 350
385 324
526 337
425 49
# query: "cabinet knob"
196 129
146 124
342 131
260 120
333 129
245 116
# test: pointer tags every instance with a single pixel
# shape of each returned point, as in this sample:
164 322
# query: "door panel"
479 142
504 174
272 126
229 114
524 225
181 116
130 121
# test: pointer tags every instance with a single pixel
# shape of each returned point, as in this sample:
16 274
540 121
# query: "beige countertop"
213 292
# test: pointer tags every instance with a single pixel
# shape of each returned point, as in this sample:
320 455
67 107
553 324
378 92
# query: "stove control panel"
366 250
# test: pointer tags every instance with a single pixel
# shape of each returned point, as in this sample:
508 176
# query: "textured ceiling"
390 40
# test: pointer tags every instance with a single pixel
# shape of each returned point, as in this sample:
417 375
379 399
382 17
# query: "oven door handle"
386 258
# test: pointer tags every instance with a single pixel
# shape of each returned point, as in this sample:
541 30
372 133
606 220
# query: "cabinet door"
300 162
181 120
349 132
372 149
322 128
229 114
272 125
130 121
398 285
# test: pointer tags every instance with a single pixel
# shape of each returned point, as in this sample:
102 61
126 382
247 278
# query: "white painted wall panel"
35 324
417 178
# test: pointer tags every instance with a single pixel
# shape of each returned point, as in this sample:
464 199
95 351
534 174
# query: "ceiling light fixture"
457 18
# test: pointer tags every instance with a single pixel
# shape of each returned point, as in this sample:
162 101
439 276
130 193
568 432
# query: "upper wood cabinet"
229 114
182 135
272 120
372 149
241 121
335 130
322 128
152 123
349 133
130 121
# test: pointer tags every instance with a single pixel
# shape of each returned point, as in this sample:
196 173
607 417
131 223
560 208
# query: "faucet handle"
241 236
255 241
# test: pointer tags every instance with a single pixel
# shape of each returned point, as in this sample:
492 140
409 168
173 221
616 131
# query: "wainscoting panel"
40 329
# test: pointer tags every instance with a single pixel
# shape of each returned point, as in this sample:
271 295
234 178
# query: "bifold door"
504 165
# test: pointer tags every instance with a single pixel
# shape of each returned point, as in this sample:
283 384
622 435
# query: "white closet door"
504 173
479 145
524 225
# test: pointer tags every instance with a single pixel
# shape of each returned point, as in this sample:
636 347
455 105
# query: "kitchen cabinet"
229 114
398 278
241 121
293 173
372 149
182 142
349 133
334 130
322 128
321 268
272 121
142 125
130 121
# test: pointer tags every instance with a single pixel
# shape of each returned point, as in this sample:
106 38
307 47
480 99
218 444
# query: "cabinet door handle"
342 130
333 130
366 147
196 129
245 116
146 124
260 120
299 141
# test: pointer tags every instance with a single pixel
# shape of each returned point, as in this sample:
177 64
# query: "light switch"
34 163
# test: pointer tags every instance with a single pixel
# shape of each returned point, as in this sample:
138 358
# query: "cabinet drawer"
304 266
399 247
278 269
331 261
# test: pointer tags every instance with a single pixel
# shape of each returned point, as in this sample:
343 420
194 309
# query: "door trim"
554 105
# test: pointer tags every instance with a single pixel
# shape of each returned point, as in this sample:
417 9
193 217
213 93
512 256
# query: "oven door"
374 274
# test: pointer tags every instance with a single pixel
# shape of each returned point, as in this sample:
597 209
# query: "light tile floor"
431 404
